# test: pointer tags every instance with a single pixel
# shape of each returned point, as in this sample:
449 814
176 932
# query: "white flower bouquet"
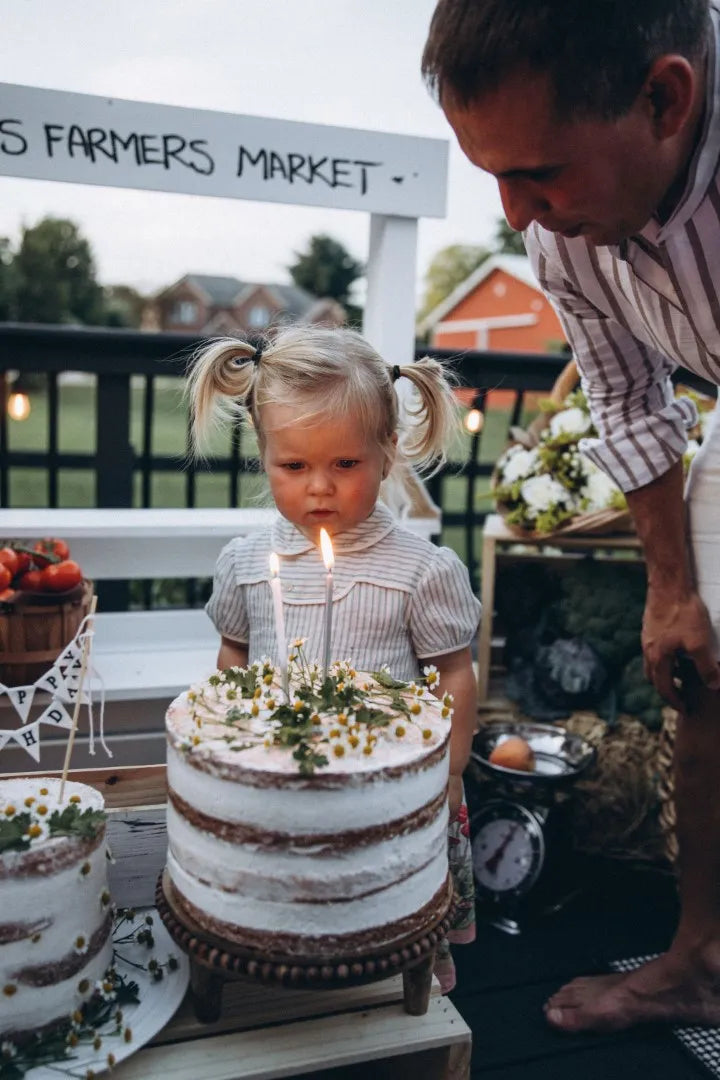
551 487
543 485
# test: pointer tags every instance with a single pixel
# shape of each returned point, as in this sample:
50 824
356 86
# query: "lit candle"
329 560
279 620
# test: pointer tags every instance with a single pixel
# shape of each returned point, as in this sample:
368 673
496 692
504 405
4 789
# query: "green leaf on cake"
385 679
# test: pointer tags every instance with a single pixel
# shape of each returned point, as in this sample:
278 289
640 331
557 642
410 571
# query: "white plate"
158 1003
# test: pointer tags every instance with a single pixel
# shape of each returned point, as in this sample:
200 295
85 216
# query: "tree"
123 306
447 269
326 269
8 281
55 272
507 240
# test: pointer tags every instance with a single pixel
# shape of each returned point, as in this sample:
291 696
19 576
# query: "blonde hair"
327 373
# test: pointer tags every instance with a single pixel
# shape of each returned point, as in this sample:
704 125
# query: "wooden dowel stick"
76 711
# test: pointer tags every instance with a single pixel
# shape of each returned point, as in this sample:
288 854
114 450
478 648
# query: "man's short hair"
596 52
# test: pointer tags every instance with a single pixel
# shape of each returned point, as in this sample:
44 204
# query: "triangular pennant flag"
69 654
27 737
69 693
52 681
21 697
4 736
57 715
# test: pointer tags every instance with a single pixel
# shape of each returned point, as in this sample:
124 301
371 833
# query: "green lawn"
76 434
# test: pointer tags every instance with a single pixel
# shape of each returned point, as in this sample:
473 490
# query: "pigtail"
432 417
219 387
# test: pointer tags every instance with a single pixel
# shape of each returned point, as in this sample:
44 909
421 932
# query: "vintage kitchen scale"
523 862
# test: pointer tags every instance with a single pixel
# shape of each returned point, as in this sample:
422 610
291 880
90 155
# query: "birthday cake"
313 825
55 909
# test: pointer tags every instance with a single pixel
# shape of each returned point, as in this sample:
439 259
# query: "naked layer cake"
312 825
55 910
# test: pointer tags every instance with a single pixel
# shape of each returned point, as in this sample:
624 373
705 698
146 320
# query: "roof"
225 291
517 266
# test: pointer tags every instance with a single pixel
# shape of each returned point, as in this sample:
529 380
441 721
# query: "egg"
513 753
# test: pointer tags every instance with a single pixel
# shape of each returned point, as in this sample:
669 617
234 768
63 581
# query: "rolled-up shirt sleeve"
641 425
444 612
226 606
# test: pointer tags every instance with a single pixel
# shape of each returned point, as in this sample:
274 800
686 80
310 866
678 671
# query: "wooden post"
417 983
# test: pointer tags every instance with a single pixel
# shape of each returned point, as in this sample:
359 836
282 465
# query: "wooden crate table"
496 537
264 1031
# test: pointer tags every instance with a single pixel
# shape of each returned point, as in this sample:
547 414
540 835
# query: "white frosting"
310 809
61 905
394 902
302 873
345 885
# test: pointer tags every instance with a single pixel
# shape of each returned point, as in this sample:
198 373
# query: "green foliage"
507 241
447 269
638 697
8 281
72 821
55 271
326 269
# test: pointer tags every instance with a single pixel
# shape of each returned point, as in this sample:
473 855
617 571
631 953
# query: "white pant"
702 498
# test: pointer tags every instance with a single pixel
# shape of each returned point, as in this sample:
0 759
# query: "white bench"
145 658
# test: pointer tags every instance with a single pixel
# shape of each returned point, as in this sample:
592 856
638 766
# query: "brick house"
208 304
499 306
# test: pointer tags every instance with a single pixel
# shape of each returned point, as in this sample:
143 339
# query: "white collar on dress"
286 539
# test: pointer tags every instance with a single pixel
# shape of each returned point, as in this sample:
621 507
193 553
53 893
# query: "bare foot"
671 989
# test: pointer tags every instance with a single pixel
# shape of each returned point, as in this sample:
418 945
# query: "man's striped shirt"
636 311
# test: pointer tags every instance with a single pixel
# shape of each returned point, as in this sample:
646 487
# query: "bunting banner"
62 683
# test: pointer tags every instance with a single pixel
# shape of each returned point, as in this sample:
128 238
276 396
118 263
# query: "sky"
353 63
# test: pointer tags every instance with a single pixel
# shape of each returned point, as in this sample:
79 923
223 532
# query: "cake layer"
34 1007
314 919
327 871
55 912
382 936
359 802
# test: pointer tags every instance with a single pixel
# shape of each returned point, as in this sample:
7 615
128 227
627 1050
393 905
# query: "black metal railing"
127 368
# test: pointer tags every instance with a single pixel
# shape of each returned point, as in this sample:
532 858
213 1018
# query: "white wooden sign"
83 139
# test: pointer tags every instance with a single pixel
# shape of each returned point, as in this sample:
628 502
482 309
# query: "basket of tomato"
43 599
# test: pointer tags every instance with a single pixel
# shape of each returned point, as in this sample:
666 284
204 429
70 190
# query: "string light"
474 421
18 406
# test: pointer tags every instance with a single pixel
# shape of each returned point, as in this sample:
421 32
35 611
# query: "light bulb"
18 406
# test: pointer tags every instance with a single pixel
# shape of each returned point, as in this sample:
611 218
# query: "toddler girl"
323 405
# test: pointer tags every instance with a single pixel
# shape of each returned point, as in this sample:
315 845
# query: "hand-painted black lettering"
131 142
148 145
51 136
260 158
364 166
77 141
315 167
97 137
340 170
196 145
12 148
277 165
295 166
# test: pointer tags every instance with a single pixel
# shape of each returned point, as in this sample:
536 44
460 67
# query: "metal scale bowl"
522 857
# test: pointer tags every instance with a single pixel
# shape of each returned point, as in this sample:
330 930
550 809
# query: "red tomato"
5 577
9 558
59 577
7 596
50 546
24 561
31 581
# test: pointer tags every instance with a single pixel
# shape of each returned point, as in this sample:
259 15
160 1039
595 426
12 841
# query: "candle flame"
274 564
327 550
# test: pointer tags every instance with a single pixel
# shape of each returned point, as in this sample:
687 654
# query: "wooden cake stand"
214 961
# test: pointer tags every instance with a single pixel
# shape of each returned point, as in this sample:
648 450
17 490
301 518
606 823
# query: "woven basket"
666 785
595 523
35 630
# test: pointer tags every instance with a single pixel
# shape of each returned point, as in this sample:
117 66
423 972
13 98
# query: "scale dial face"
508 849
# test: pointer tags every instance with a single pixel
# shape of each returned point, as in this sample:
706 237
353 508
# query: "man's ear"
669 93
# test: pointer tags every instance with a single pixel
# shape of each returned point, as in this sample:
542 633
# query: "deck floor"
504 980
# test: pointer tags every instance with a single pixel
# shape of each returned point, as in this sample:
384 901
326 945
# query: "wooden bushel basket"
36 629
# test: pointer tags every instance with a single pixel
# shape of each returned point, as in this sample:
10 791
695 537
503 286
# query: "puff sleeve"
444 612
226 607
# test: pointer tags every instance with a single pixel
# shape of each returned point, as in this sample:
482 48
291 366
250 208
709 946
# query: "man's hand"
455 795
673 628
